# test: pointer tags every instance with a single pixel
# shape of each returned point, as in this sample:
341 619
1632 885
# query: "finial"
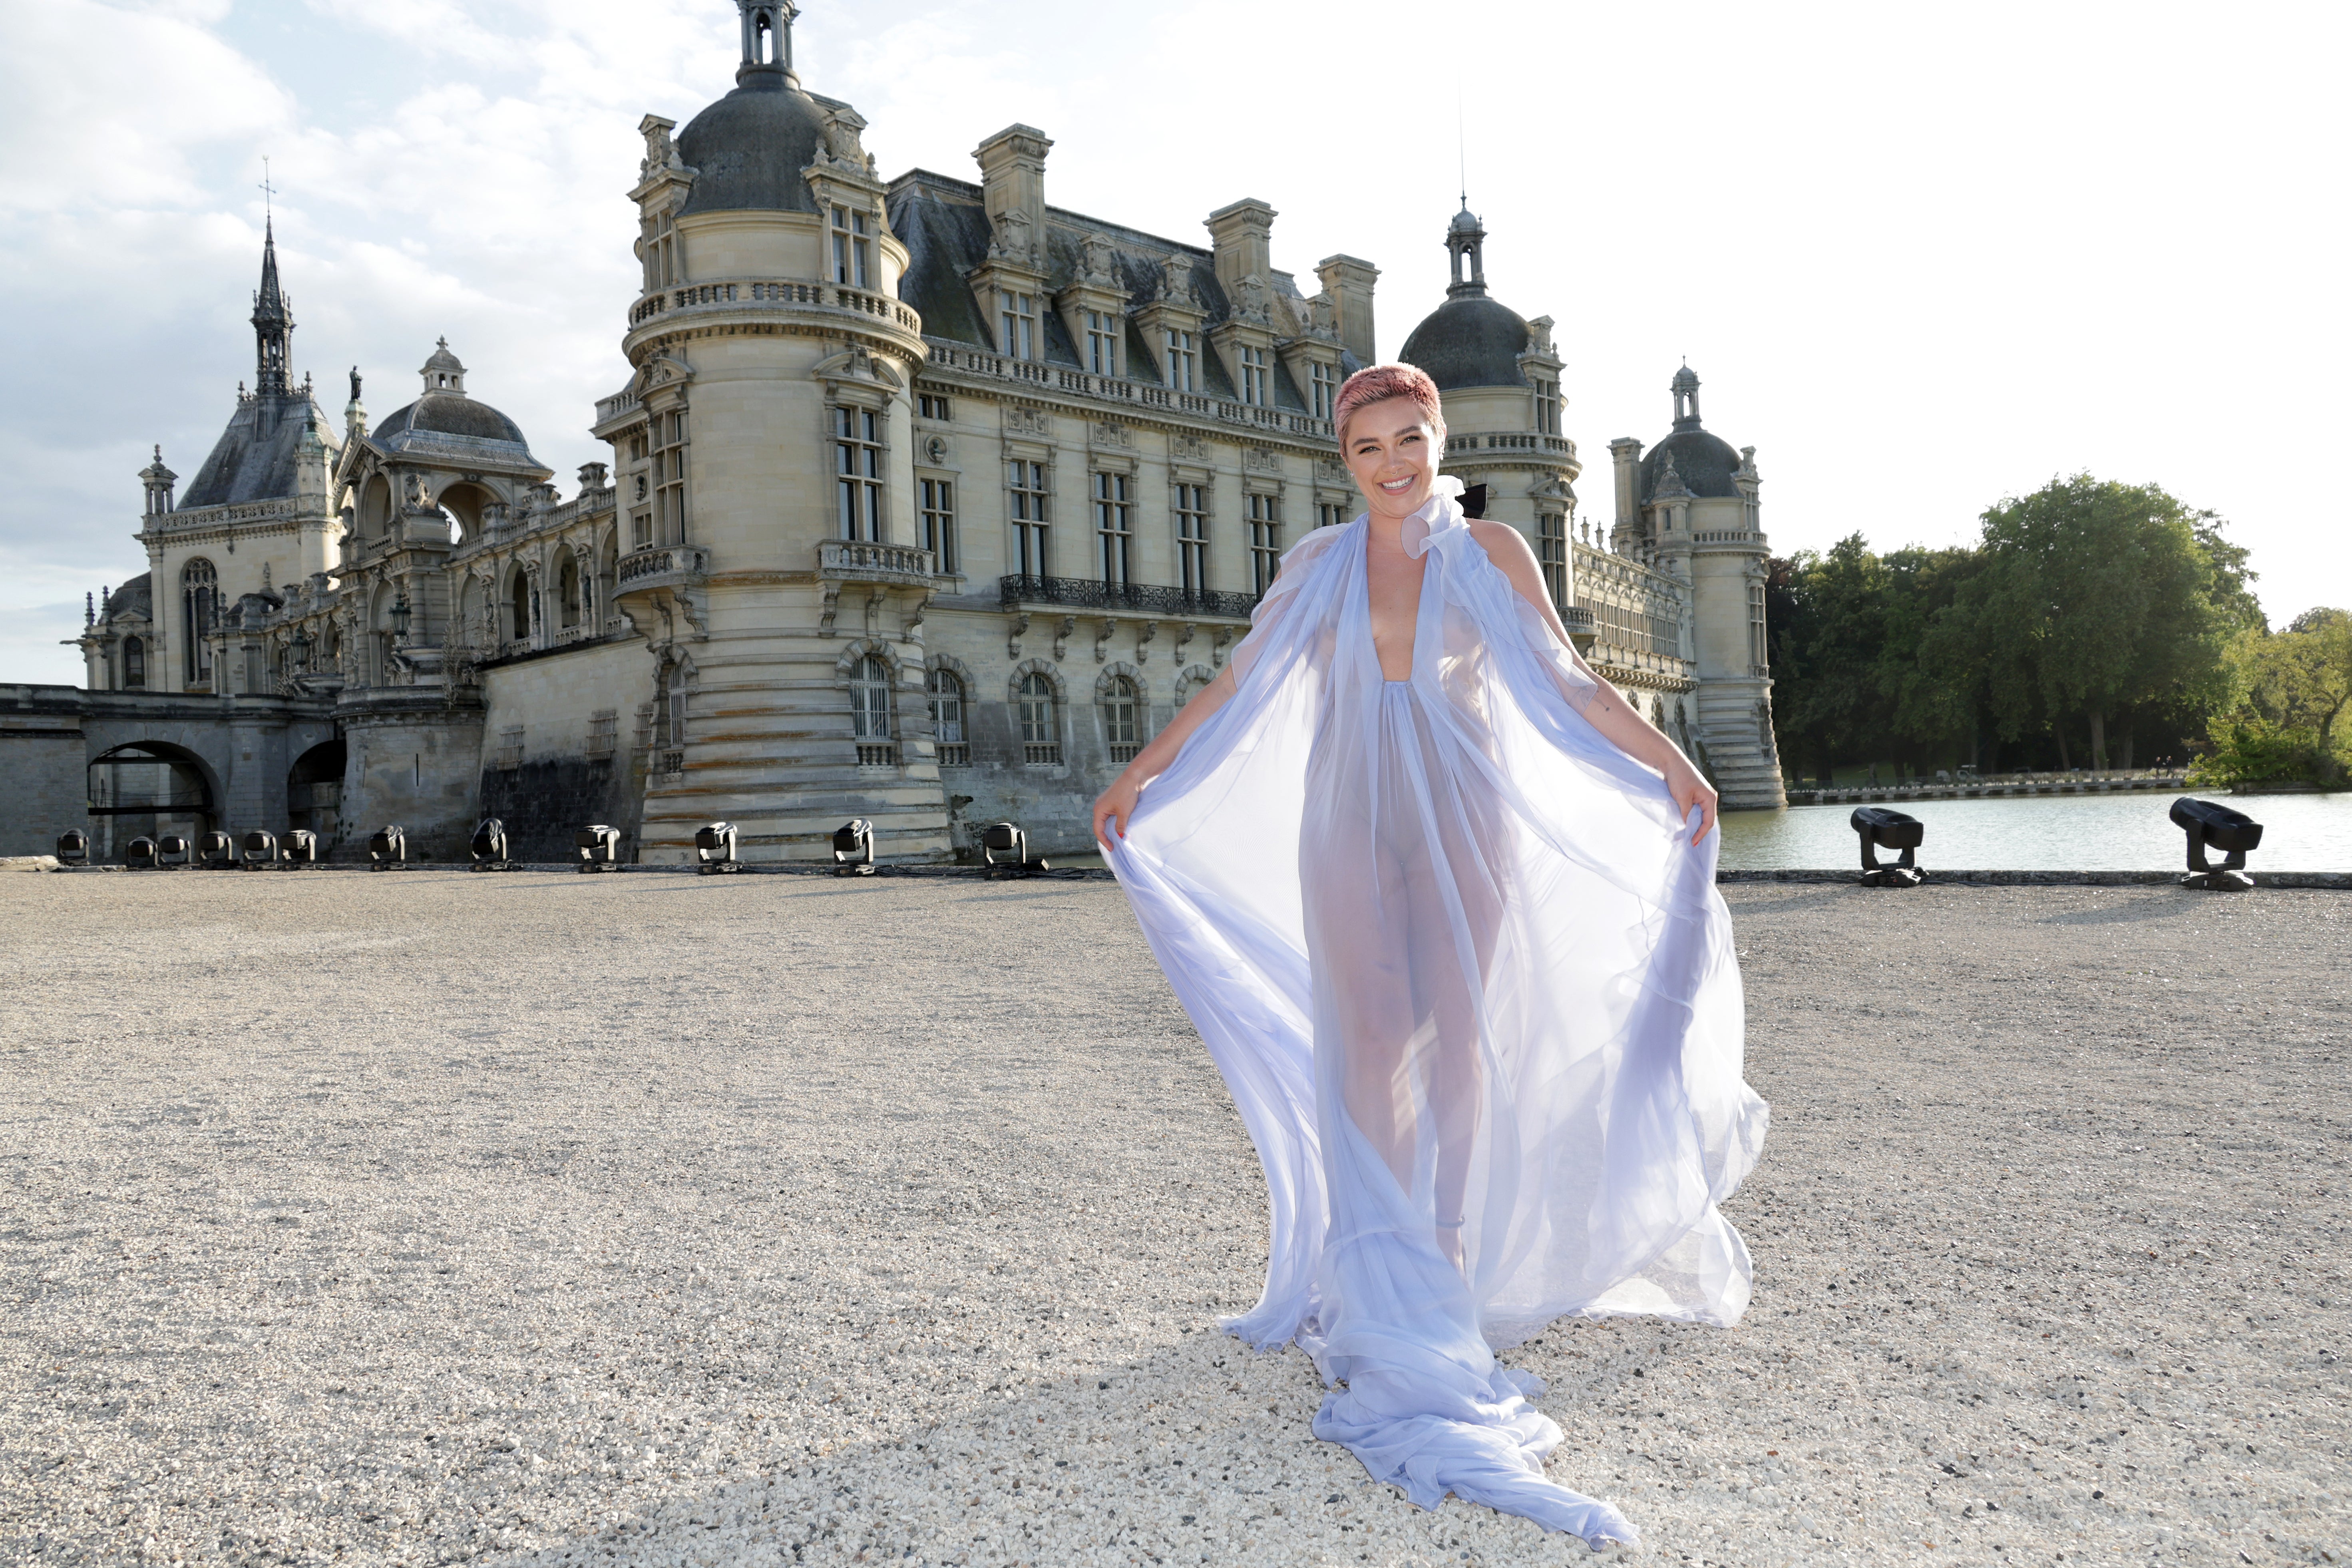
89 614
268 190
159 451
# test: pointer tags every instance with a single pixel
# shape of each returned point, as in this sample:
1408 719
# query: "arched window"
1041 732
568 590
870 707
1120 723
945 689
522 597
199 606
134 665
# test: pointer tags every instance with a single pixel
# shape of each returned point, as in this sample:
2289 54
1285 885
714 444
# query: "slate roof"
1472 339
452 414
748 149
254 458
946 231
135 598
1702 460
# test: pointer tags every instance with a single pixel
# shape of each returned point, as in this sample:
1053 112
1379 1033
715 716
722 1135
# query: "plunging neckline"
1412 636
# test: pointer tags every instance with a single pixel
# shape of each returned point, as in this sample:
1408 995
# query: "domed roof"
1685 380
1469 341
1703 461
748 149
449 414
1463 221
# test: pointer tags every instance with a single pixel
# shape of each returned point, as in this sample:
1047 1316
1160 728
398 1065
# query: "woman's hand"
1114 806
1689 790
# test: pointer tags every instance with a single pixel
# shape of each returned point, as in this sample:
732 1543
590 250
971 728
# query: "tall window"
134 665
1548 407
661 253
857 470
1017 318
567 595
1114 530
1252 369
852 249
669 477
944 690
1192 539
1183 362
521 602
1265 541
870 707
1330 513
1103 330
939 523
1026 482
1120 720
199 599
1324 383
1551 552
1041 734
1757 653
669 721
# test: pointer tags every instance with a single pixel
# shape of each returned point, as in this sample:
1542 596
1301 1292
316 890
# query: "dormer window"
1102 342
1183 362
852 249
1017 316
1323 386
1548 407
1253 376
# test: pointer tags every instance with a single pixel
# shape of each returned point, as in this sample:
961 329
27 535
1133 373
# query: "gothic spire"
273 322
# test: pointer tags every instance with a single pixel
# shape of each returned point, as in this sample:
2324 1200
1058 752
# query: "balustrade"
747 291
1147 599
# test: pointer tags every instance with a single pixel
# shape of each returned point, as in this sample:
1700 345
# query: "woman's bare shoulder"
1506 546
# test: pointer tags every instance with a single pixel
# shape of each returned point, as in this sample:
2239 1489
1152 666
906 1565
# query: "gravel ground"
434 1217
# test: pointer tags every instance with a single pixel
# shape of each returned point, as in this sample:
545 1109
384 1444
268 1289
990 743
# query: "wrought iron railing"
1143 598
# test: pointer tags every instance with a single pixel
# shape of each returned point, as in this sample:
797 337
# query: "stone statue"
356 395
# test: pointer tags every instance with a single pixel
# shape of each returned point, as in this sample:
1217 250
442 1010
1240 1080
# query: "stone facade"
929 503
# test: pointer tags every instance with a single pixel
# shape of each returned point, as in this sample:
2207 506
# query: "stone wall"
43 783
561 745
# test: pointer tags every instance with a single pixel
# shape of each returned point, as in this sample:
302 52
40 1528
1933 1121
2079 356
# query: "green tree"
2291 690
1826 640
2099 599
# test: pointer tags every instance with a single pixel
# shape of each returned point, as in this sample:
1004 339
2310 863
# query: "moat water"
2127 832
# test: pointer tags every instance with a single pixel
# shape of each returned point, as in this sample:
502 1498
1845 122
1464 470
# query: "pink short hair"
1378 384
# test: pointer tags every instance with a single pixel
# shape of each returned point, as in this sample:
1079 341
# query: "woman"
1443 908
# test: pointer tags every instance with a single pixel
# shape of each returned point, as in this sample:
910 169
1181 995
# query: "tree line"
2091 625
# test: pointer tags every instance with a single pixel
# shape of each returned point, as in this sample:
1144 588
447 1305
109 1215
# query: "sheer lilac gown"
1464 975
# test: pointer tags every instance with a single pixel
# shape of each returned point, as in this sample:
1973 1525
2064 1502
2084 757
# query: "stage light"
260 849
1883 829
387 848
853 848
141 854
73 847
1004 850
714 848
171 852
599 847
216 850
2211 825
489 846
300 847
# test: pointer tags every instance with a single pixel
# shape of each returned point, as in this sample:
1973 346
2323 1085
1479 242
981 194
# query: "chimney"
1627 454
1349 281
1013 180
1241 235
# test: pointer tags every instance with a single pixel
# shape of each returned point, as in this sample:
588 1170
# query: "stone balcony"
1134 598
854 561
662 566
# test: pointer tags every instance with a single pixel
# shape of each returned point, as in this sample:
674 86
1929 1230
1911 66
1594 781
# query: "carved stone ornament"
1098 262
1323 317
842 145
1540 337
660 152
1261 460
1176 281
412 492
1185 447
1251 300
1020 421
1110 433
1331 470
1012 239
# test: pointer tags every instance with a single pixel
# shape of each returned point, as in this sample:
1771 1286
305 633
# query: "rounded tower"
769 333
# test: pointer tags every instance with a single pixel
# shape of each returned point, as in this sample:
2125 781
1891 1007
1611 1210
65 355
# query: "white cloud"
1921 258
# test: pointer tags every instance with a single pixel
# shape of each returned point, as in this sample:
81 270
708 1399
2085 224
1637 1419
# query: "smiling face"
1392 451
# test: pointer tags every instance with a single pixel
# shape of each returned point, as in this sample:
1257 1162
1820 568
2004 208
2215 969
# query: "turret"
273 324
159 481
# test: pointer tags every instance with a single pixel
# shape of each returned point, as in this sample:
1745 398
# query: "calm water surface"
2046 833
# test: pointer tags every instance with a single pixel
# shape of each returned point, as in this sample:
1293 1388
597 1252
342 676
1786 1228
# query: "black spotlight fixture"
260 849
1004 850
2211 825
171 852
217 850
300 847
853 848
599 847
714 848
387 848
1880 828
489 846
141 854
73 847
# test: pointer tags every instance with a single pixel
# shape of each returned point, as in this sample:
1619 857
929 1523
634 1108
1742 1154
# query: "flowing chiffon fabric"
1457 961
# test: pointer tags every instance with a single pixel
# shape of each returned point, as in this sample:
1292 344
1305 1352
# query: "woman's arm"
1116 804
1607 713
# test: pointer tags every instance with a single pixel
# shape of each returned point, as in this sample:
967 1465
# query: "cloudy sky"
1922 258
